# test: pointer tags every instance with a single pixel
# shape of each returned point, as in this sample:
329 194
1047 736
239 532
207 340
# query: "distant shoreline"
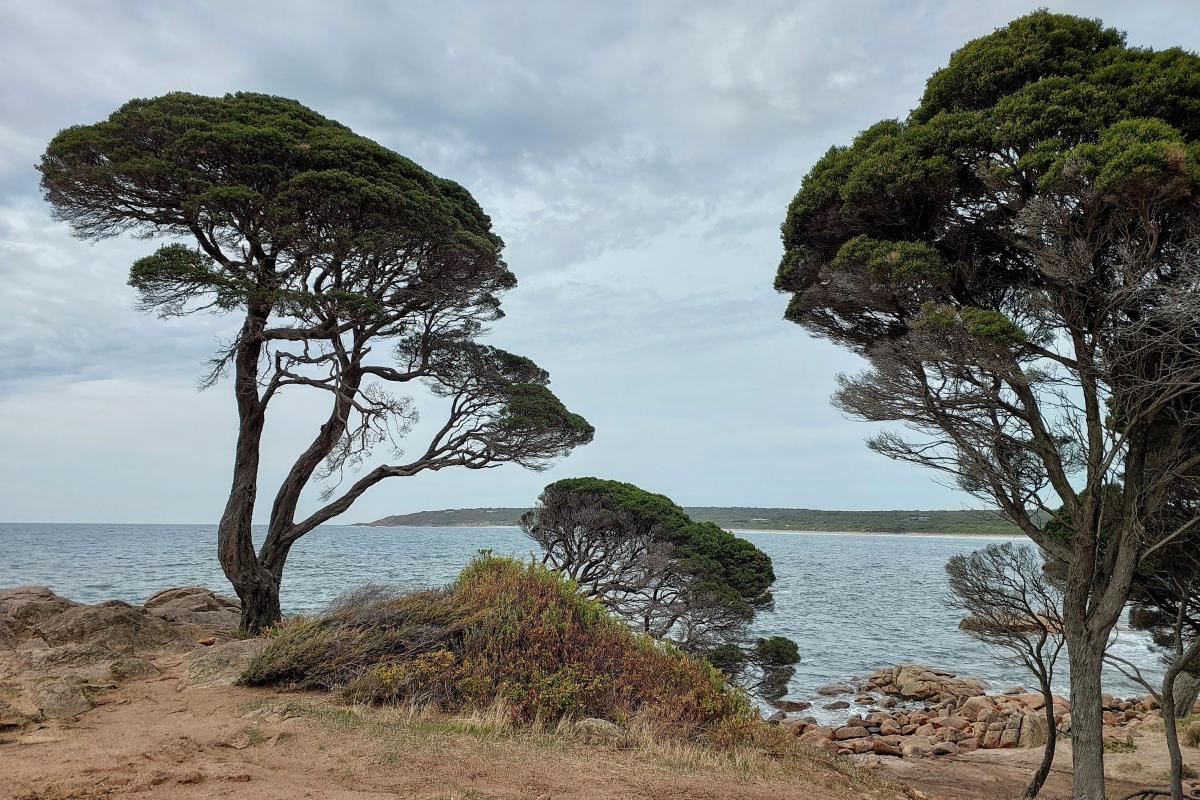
977 522
923 534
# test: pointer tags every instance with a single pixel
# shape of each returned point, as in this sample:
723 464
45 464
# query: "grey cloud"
636 157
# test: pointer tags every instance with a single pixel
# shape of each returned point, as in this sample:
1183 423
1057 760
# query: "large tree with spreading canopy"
352 270
1017 262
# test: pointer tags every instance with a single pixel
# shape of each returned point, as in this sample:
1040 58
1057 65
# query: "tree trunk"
256 587
1086 655
1187 689
1168 712
1043 771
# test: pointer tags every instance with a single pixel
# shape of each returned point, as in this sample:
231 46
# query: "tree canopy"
725 562
355 271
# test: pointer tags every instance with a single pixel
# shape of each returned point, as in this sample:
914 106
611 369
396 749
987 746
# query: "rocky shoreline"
914 711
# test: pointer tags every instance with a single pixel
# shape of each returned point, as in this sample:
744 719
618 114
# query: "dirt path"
158 738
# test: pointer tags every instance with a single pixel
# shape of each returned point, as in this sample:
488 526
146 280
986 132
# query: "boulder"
29 605
11 717
836 705
883 748
917 682
834 689
792 705
914 749
858 746
1014 623
850 732
1035 731
594 729
972 707
120 628
820 742
944 749
195 605
222 664
59 699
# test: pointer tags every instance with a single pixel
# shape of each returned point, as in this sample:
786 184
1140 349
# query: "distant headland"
981 522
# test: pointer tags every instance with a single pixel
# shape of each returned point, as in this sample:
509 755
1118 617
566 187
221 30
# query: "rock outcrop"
941 714
57 657
195 605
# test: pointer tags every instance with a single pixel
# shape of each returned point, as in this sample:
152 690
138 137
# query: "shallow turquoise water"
854 602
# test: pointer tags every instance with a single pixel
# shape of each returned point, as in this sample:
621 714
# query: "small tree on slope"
669 576
1017 261
353 271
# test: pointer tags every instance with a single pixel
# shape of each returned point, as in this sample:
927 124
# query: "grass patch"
1115 746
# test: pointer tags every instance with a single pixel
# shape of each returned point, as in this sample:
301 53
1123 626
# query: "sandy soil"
1002 774
159 738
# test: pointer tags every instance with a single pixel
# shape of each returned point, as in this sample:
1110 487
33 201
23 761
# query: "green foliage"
776 651
726 563
978 323
263 169
900 262
503 631
925 210
532 406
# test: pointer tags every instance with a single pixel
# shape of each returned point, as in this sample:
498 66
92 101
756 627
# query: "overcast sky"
637 158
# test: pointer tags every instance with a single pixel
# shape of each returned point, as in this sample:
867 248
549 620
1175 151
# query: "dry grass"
1191 730
766 754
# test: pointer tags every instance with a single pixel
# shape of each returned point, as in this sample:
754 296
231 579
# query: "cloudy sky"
637 158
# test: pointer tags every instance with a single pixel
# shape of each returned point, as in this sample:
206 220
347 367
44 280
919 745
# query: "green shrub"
504 632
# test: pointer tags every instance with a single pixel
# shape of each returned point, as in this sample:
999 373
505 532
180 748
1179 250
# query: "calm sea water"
853 602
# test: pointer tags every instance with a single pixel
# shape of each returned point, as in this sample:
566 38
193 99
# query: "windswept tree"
671 577
1017 261
353 271
1013 608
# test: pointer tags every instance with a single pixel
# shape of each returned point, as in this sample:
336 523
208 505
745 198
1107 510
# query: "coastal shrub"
503 632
